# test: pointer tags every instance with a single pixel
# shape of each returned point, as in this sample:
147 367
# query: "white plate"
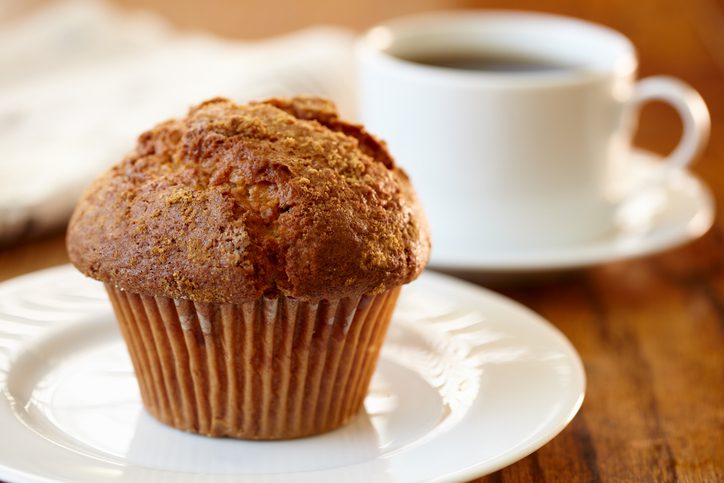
664 217
468 383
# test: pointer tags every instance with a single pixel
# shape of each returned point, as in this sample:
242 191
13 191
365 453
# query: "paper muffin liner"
274 368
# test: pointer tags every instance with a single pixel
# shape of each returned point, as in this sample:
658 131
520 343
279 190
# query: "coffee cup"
516 128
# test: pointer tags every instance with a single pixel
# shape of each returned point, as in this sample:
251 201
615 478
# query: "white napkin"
73 100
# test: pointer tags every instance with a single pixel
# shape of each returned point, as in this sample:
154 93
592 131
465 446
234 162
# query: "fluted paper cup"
274 368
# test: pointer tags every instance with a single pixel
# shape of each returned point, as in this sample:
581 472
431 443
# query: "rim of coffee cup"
377 43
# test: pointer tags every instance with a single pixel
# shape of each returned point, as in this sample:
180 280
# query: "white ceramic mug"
515 160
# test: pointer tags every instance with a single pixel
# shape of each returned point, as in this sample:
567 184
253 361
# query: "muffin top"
234 202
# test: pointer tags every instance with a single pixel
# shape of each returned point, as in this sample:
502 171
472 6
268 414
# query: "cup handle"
640 199
690 107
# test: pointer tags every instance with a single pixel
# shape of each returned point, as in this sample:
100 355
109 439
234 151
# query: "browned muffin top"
236 201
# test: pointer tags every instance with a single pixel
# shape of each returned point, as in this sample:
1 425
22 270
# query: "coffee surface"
489 62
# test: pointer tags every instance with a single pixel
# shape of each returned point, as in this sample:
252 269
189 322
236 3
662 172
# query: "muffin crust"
234 202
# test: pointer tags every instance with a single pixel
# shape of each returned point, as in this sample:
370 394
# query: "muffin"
253 255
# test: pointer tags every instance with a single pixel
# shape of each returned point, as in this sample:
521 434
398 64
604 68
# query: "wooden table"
650 331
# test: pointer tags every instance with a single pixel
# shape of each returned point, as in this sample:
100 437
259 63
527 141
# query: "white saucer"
670 215
468 382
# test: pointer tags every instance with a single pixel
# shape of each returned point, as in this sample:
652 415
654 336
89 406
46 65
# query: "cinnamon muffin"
253 255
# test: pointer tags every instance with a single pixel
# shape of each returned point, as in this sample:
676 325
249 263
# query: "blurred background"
79 79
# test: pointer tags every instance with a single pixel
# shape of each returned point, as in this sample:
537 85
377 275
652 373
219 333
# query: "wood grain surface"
650 331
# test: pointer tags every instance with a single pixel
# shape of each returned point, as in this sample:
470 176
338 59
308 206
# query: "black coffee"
489 62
